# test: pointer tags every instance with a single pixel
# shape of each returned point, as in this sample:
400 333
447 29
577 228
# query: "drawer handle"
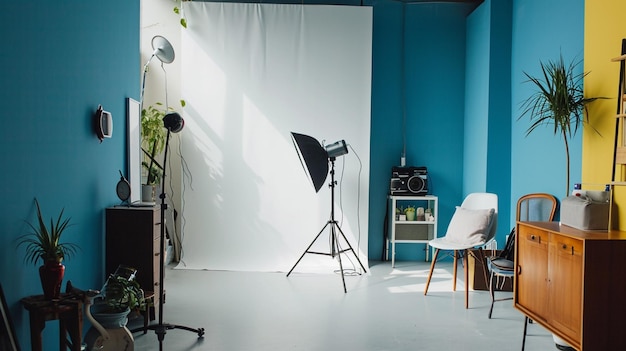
532 237
519 270
565 247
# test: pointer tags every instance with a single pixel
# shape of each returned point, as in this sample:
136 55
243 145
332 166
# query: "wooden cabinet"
133 238
571 282
565 282
532 274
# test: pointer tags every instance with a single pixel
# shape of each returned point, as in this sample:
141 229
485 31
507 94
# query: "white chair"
472 226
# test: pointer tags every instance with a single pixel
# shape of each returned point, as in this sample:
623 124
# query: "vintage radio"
409 181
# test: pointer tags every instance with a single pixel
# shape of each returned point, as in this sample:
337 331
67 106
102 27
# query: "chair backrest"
536 207
479 201
530 207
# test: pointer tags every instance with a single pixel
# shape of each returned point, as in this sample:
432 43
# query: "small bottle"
577 190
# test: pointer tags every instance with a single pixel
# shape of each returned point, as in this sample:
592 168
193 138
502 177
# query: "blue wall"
464 84
433 66
487 106
386 115
60 61
541 31
462 99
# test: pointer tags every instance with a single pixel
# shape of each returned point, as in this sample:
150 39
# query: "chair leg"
483 261
432 268
492 293
456 254
466 269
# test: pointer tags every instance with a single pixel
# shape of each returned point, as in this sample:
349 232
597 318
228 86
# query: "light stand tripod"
334 227
173 122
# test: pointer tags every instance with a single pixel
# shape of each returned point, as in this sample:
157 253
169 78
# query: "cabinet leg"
525 329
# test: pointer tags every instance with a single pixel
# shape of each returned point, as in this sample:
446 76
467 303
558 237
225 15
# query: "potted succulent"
44 242
120 295
558 101
410 213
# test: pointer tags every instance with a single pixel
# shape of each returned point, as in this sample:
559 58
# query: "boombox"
409 181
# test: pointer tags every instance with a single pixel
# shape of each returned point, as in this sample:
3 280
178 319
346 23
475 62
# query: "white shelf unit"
411 232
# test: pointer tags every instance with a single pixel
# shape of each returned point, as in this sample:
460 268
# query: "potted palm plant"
558 101
44 243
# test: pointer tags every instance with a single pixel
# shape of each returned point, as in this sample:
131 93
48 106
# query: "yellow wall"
605 27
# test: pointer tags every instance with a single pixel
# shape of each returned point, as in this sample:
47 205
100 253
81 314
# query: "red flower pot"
51 274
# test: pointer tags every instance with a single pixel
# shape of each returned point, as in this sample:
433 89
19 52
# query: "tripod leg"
350 246
307 249
336 249
199 331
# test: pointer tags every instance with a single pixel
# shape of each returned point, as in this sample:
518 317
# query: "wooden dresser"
133 238
573 282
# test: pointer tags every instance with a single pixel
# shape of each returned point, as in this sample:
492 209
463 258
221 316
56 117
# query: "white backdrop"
251 74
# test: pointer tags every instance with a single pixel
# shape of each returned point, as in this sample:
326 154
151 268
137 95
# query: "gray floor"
383 310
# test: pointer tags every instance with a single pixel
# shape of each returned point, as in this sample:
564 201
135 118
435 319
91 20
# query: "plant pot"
51 275
109 320
410 215
148 193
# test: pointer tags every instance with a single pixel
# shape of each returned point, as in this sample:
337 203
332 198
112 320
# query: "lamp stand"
334 228
161 328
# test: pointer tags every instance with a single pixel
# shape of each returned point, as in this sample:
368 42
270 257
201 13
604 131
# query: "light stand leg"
350 247
161 328
336 249
307 249
334 226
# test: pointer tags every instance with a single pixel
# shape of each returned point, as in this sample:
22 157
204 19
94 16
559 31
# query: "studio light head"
314 158
173 122
337 149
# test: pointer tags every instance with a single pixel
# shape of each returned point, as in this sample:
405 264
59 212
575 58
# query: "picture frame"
133 111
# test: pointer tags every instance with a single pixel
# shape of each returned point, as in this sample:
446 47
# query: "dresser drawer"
533 236
563 245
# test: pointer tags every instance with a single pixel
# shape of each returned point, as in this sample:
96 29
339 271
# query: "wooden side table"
68 310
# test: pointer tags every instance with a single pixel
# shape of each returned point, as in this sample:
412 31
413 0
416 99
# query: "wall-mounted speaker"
103 123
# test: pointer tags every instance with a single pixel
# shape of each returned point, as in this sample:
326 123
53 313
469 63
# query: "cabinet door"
532 270
565 284
131 234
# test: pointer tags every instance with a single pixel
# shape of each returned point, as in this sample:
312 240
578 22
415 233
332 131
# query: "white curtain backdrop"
253 73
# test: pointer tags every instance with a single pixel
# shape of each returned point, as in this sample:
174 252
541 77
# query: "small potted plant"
410 213
120 295
153 135
400 216
44 242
